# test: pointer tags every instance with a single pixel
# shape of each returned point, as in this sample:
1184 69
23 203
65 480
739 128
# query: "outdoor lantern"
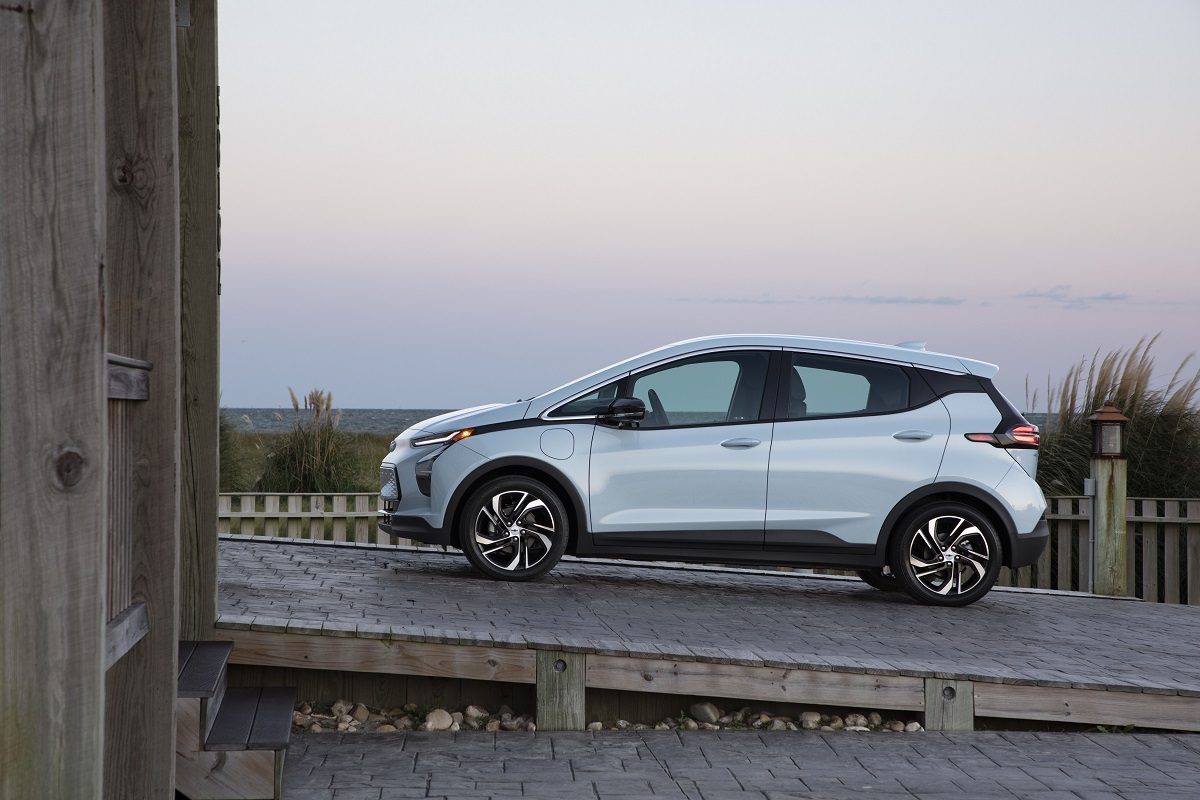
1108 432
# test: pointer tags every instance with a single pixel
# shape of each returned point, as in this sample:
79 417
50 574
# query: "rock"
343 726
299 719
913 727
810 716
346 718
791 726
531 728
438 720
595 726
457 716
640 726
377 718
856 721
727 719
404 723
395 711
896 725
874 719
386 728
709 726
510 723
778 725
622 724
690 724
454 726
836 723
763 719
857 728
662 726
360 713
827 728
705 712
503 711
475 712
305 708
341 708
811 724
492 725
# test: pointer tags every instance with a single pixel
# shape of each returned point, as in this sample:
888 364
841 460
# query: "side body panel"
833 481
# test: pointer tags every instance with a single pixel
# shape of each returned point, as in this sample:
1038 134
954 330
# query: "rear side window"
828 386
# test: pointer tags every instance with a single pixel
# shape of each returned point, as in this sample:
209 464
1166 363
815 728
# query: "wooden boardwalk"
742 634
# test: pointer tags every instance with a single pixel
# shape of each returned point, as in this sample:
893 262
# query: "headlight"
442 438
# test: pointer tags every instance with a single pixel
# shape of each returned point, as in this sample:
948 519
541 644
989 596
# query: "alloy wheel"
514 530
949 555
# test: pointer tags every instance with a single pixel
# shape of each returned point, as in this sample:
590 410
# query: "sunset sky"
442 204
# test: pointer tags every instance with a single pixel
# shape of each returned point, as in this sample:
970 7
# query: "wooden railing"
1164 537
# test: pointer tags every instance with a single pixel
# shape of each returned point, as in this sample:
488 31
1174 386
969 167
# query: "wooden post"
560 690
949 705
142 267
1111 555
196 51
53 401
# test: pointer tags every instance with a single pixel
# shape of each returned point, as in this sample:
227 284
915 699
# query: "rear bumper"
411 526
1029 546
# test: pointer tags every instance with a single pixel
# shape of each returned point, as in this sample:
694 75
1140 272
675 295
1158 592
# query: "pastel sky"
442 204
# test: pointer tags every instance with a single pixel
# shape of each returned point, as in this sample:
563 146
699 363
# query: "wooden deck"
1031 655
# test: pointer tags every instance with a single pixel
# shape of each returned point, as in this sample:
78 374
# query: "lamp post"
1110 558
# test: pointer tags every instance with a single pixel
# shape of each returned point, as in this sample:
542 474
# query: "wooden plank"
273 719
124 631
1084 547
199 304
1171 571
362 526
1044 579
202 774
755 683
1087 706
235 718
293 510
128 378
120 509
1113 545
247 505
1063 539
204 670
560 690
53 462
381 655
271 509
316 527
949 705
1193 554
339 521
224 514
142 321
1149 543
185 652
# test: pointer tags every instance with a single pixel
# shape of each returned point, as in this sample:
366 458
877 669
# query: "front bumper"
412 526
1029 546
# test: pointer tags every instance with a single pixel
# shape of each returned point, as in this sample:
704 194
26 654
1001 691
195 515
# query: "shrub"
1162 437
236 473
316 456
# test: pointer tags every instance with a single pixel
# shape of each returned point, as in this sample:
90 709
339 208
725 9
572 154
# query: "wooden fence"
1164 537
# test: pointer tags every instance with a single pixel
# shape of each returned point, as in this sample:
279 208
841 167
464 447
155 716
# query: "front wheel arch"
526 467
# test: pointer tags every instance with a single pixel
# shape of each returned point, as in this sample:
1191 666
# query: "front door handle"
742 444
912 436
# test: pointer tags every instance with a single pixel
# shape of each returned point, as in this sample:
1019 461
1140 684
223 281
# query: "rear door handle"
742 444
912 436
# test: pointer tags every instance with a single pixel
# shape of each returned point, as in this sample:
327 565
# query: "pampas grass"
1163 435
315 456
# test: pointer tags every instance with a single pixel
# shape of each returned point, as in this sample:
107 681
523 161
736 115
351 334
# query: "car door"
848 445
695 469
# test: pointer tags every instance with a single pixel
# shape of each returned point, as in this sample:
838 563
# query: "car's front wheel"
946 554
514 528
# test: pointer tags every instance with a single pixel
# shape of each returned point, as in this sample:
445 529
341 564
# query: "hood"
472 417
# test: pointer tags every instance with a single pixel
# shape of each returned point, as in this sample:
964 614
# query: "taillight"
1023 436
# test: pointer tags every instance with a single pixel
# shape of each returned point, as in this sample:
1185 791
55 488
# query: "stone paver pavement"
744 765
778 619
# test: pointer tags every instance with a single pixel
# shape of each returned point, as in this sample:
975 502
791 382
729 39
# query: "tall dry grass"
315 456
1162 437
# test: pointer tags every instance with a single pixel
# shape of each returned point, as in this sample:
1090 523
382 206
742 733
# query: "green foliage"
1162 437
236 471
315 456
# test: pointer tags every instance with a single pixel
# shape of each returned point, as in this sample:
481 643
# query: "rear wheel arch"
530 468
964 493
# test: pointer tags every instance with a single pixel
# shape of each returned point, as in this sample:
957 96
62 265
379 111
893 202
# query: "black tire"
532 533
957 566
881 579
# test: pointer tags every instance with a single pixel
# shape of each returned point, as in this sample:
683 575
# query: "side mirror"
623 410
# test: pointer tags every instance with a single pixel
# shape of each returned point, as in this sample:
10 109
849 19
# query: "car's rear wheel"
881 579
514 528
946 554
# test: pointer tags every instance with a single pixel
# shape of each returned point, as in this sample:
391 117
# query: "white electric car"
905 465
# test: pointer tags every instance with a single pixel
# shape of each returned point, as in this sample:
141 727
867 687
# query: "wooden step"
202 667
253 719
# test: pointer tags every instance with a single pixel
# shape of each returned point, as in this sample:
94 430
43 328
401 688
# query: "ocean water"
358 420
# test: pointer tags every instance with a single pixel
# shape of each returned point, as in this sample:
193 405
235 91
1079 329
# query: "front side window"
828 386
707 390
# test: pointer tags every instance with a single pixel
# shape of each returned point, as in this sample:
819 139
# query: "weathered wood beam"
561 691
949 705
53 463
196 51
142 265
